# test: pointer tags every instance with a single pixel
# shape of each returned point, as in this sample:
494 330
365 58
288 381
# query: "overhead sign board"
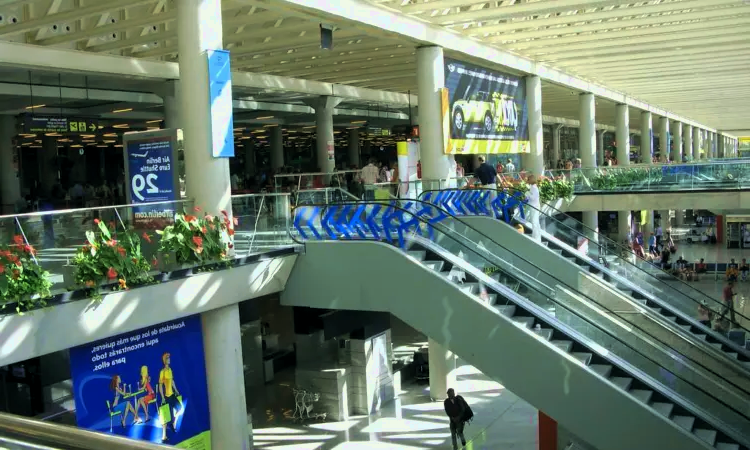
59 124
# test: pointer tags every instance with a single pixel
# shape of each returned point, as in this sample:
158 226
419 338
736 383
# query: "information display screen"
484 111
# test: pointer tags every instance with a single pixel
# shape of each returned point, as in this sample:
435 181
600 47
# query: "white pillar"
324 139
664 140
648 227
222 345
591 220
665 222
199 29
687 141
710 144
10 186
207 178
647 138
696 144
676 142
587 131
679 217
622 124
442 363
556 154
535 157
600 147
171 98
624 226
354 147
430 81
277 147
721 141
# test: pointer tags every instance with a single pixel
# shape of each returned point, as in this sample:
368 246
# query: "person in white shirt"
234 180
510 167
532 214
369 177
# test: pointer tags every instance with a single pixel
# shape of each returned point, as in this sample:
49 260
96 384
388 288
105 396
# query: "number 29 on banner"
139 183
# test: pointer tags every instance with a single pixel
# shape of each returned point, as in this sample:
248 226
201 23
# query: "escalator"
506 322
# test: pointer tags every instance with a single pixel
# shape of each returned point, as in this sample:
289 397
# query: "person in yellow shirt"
169 392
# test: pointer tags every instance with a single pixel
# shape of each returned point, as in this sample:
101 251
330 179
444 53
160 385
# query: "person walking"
486 174
728 296
458 412
532 199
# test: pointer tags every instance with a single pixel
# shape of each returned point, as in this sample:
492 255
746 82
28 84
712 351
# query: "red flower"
19 263
111 273
147 237
154 262
2 269
204 230
230 231
198 241
122 283
111 242
225 213
199 250
18 239
231 245
121 251
29 249
197 209
96 221
189 218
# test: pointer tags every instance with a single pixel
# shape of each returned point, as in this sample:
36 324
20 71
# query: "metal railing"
28 434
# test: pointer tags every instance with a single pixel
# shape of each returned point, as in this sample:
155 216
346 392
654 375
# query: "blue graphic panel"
220 98
152 178
148 384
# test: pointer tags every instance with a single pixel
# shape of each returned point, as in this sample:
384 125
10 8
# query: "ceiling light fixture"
35 106
117 111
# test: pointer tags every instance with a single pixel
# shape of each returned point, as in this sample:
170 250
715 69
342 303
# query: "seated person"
733 271
700 267
744 269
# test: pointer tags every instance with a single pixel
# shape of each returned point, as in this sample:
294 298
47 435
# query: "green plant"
22 279
105 259
197 240
551 189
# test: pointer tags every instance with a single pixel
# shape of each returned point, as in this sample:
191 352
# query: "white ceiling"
691 57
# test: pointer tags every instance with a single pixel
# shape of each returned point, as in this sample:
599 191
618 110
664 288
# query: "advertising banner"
149 384
221 103
484 111
151 173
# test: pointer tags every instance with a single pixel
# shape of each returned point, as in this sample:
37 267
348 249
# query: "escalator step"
642 395
602 369
686 422
558 251
716 344
622 382
665 409
732 355
672 318
492 298
724 446
685 327
526 322
706 435
657 309
437 266
583 357
701 337
544 333
470 288
506 310
565 346
419 255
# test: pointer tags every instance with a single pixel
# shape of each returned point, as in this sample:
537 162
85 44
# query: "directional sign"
57 124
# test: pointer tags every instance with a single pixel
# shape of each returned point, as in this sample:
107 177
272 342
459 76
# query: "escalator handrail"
543 316
612 243
661 303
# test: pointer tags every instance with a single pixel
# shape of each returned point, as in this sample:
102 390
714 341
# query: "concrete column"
591 220
587 131
199 28
647 138
324 140
10 186
711 145
277 147
664 140
679 217
207 178
648 227
48 170
600 147
687 141
535 158
676 142
430 80
624 226
720 141
171 98
222 344
354 147
442 364
622 124
249 149
665 222
556 154
696 144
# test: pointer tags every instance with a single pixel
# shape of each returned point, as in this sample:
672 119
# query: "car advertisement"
149 384
484 111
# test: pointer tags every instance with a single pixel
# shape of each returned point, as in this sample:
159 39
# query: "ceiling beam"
675 60
661 73
327 62
307 57
358 71
652 56
516 10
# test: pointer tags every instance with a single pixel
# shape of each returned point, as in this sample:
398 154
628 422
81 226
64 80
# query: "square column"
696 144
171 97
324 137
353 153
600 147
624 227
587 130
710 145
442 364
555 156
721 144
622 124
664 140
687 141
648 227
647 138
535 158
277 147
10 186
676 142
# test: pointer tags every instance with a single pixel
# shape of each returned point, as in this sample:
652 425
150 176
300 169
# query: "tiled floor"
412 421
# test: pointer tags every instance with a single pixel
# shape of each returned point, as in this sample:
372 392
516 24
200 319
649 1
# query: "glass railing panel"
410 221
262 222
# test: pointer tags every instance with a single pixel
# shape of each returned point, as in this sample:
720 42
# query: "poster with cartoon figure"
149 384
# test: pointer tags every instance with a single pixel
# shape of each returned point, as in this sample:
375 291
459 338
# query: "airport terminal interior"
375 224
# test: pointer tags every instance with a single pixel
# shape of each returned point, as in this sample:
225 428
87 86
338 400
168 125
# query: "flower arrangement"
105 259
197 240
22 279
551 189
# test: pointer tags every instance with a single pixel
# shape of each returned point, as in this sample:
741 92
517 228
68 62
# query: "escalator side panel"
354 275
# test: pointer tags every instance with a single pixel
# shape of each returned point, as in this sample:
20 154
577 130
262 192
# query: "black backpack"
468 413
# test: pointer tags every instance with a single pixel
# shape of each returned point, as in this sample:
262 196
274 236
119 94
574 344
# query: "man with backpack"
459 413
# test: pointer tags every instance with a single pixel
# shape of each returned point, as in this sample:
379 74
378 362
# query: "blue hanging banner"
220 97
